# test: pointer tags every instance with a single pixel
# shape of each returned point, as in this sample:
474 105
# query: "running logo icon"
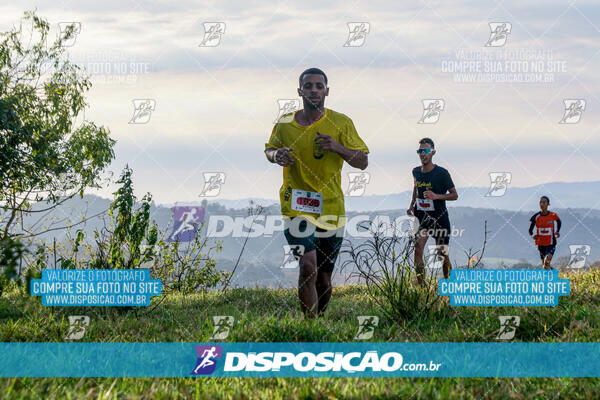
286 106
292 256
77 326
573 111
222 325
186 220
508 326
432 108
579 254
142 110
499 182
499 32
212 184
358 183
357 34
68 32
435 258
212 34
207 359
366 326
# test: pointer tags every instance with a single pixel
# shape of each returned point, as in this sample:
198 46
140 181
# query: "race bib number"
425 205
303 200
545 231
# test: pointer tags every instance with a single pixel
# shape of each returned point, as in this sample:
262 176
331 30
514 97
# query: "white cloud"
215 106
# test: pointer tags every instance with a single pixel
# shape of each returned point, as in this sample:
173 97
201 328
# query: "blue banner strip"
364 359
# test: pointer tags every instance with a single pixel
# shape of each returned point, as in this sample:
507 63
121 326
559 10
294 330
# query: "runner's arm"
531 226
414 195
279 156
447 194
270 153
356 158
453 195
558 224
410 210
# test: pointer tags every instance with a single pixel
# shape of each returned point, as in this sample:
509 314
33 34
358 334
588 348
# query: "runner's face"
426 158
313 91
543 204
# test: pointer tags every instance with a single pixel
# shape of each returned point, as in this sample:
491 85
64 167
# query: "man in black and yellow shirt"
312 145
433 187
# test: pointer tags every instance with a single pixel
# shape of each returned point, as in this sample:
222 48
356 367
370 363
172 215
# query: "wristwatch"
273 156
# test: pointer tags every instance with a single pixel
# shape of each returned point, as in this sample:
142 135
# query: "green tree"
10 253
48 150
131 227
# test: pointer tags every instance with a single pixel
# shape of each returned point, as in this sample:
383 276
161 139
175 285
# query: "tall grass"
384 263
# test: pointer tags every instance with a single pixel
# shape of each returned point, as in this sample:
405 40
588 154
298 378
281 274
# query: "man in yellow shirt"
312 144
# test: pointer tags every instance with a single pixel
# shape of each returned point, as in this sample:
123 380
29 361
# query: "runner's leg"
547 261
323 290
444 251
422 237
328 248
442 239
307 278
307 275
542 254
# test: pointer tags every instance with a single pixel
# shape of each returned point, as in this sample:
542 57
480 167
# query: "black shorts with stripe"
436 225
545 250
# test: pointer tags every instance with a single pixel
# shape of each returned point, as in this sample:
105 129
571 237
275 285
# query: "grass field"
264 315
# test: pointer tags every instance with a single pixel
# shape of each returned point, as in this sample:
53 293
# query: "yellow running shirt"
312 186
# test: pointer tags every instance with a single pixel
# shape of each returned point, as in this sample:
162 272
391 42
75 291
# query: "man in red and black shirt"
547 227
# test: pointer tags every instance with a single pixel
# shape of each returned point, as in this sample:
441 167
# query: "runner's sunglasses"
425 151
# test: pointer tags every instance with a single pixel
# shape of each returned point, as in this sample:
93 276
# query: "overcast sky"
215 106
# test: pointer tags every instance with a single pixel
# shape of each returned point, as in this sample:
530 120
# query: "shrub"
188 267
11 251
383 262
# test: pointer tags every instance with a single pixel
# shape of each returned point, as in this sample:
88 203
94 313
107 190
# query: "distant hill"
507 241
561 194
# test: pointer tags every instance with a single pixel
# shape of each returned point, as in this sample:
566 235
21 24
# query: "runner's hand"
326 142
535 237
428 194
283 157
410 211
557 235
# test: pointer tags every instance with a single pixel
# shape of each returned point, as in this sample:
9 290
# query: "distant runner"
547 227
433 186
312 145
